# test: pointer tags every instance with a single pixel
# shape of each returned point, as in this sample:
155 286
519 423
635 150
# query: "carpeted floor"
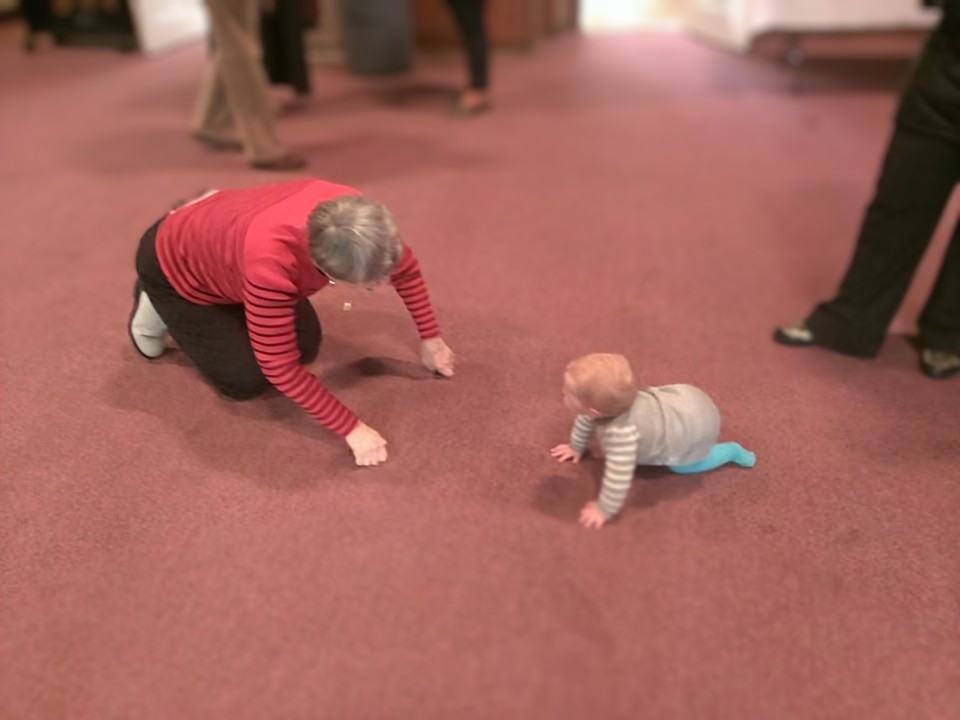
165 554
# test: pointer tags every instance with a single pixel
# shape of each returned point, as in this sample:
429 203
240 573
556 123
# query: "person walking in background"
233 110
282 24
469 15
39 19
920 172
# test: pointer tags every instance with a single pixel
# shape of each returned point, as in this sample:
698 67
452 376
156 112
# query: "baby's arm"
583 428
579 437
620 448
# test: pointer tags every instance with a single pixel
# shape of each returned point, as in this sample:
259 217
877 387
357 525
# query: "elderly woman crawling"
228 275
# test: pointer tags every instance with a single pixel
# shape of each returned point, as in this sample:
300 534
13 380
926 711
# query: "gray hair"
353 239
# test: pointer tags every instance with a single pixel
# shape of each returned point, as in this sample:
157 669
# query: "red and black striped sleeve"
408 281
270 297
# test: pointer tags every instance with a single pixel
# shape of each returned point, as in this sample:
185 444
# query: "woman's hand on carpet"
368 446
437 356
591 517
563 453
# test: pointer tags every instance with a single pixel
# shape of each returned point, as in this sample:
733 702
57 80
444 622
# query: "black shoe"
796 335
939 365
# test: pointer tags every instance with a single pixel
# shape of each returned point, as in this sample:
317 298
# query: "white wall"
737 22
165 24
626 15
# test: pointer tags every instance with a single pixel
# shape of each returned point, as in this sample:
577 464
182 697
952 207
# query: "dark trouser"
469 16
281 35
918 177
38 15
215 337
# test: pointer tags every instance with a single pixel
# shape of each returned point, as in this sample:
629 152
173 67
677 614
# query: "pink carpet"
166 554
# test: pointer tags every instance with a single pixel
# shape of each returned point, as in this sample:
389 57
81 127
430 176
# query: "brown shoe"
462 110
216 143
290 161
470 104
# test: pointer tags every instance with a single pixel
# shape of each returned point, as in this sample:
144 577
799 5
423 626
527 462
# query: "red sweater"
250 247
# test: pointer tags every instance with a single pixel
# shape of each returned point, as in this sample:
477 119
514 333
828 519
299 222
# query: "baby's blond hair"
603 382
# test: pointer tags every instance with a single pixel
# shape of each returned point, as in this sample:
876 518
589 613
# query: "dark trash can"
377 36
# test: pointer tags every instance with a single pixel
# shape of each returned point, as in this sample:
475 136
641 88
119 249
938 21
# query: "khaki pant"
234 95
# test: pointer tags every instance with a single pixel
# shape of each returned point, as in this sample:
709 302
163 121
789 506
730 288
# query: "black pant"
281 36
918 177
469 16
38 15
215 337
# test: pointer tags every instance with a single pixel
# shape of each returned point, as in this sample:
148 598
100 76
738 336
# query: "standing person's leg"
292 24
918 177
214 337
213 120
940 321
469 15
37 14
237 84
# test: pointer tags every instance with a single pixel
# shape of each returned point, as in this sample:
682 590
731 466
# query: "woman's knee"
242 388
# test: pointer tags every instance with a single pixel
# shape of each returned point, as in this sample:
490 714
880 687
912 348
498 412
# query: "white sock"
147 329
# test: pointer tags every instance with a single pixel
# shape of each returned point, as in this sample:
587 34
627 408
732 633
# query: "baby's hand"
564 452
591 517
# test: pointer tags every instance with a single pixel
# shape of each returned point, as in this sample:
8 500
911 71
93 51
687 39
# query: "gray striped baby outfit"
671 425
